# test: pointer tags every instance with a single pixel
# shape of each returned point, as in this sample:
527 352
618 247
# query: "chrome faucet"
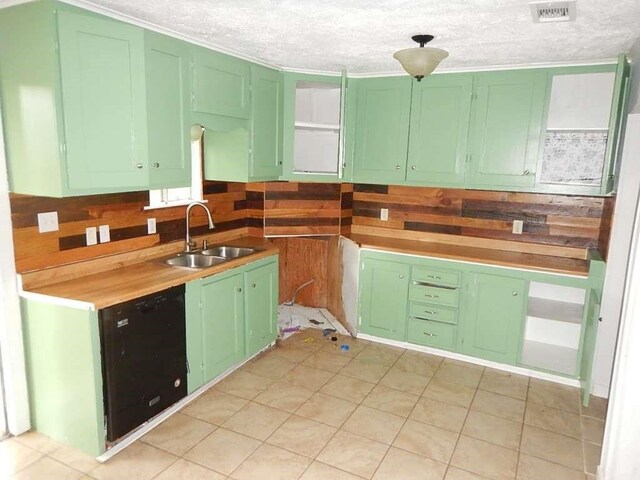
189 244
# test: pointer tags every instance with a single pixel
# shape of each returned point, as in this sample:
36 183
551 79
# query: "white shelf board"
317 126
555 310
553 358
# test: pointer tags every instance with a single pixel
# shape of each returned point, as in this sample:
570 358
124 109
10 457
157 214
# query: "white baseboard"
600 390
572 382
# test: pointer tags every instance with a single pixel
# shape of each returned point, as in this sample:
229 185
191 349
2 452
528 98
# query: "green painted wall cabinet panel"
440 109
266 123
506 128
384 287
168 98
220 85
382 129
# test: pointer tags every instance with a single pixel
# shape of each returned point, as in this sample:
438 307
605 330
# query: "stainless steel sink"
194 260
228 251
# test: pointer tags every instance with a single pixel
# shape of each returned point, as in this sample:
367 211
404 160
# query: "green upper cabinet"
223 338
494 318
103 92
107 105
384 287
221 85
261 285
506 129
382 129
266 124
440 108
168 97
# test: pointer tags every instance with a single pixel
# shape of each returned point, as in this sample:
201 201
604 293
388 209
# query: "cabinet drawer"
433 334
432 312
434 294
438 277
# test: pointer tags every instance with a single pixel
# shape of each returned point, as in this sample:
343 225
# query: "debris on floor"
293 318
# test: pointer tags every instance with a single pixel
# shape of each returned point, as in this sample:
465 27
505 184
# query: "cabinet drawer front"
440 277
423 311
439 295
433 334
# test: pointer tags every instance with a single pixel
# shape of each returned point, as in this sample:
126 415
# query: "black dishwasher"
144 358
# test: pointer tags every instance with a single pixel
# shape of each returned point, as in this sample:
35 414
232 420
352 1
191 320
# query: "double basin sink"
209 257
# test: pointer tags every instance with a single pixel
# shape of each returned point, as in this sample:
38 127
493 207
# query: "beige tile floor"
309 411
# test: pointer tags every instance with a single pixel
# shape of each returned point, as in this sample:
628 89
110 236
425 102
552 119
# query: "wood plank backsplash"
127 220
294 208
559 220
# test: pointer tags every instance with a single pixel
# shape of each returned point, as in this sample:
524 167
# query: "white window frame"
173 197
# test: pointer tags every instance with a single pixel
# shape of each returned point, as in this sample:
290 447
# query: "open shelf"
553 358
317 126
555 310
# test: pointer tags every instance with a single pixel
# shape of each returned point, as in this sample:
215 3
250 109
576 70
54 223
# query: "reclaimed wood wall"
311 209
557 220
127 220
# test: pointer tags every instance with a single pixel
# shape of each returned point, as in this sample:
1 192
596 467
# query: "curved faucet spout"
189 244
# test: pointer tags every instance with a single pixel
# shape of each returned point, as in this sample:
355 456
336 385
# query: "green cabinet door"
495 314
103 92
590 330
382 130
266 124
506 129
384 287
261 305
168 96
220 85
223 338
440 109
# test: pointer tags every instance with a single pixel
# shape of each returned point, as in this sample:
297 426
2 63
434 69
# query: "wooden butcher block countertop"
504 258
133 280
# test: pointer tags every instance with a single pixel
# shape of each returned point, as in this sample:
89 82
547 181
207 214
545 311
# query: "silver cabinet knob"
401 276
239 290
527 172
156 165
515 294
138 166
413 167
397 167
279 162
253 285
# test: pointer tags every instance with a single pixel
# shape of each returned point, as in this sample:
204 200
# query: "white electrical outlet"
105 235
151 225
517 227
384 214
92 235
48 222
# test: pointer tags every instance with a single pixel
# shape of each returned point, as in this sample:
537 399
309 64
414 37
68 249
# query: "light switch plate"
151 225
384 214
48 222
517 227
92 235
105 235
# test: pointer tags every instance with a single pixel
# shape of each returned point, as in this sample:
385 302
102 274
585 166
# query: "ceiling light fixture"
420 61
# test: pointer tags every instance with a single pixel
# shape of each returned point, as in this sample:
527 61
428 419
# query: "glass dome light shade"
420 61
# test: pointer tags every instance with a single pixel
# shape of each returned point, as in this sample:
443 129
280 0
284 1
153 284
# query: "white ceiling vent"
561 11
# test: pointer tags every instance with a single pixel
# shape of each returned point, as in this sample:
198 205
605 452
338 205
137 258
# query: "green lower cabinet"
431 334
261 285
383 298
222 324
494 319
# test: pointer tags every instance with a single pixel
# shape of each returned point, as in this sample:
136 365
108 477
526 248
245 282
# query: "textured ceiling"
327 35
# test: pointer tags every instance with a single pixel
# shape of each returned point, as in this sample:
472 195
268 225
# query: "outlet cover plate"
105 235
92 235
517 227
384 214
48 222
151 226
